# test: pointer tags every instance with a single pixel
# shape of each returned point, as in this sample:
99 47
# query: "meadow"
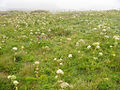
74 50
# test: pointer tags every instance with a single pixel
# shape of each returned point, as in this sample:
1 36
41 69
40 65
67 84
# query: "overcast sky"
60 4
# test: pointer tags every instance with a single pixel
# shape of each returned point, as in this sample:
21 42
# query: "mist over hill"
57 5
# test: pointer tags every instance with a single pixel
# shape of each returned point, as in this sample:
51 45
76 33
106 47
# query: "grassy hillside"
60 51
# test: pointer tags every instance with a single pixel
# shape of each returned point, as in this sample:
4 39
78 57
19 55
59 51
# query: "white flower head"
31 33
42 34
98 47
49 30
13 77
64 85
99 26
2 41
59 71
70 55
100 53
106 36
55 59
116 37
37 68
60 59
113 55
111 46
95 28
102 33
78 51
37 62
77 44
22 47
104 30
96 44
95 58
36 32
56 76
9 77
59 81
69 39
61 63
36 72
81 41
88 47
14 48
15 82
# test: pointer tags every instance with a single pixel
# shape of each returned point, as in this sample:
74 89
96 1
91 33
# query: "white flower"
36 32
2 41
37 68
14 48
0 47
113 55
46 47
60 39
78 51
70 55
96 44
61 63
31 33
88 47
104 30
98 47
81 41
36 72
37 62
55 59
59 81
22 47
38 29
106 36
95 28
100 53
49 30
99 26
61 59
95 58
108 27
15 82
4 37
64 85
77 44
116 37
56 76
59 71
13 77
102 33
69 39
42 34
9 77
111 46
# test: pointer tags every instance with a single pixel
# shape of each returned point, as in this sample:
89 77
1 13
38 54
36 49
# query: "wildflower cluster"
36 64
60 72
15 52
14 81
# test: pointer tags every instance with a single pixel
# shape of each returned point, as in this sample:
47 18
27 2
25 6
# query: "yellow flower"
106 79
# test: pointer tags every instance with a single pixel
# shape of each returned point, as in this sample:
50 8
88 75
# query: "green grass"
85 70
